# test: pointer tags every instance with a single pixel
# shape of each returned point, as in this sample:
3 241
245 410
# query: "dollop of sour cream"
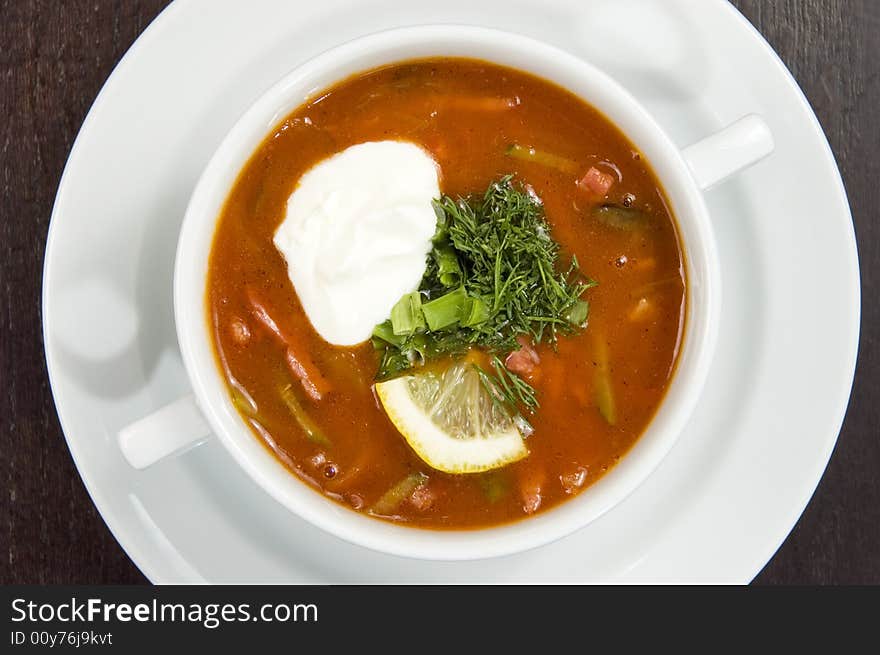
356 234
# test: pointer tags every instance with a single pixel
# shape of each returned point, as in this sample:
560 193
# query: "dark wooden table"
54 57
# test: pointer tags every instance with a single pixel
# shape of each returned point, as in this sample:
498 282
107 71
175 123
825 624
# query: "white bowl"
682 174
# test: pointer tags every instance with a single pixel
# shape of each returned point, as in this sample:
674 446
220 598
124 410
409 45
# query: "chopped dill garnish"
491 277
508 388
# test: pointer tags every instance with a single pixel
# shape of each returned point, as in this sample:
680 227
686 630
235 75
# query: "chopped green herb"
492 276
509 260
508 387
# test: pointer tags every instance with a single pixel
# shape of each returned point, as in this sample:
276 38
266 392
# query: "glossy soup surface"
451 108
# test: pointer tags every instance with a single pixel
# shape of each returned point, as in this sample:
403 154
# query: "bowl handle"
166 431
715 158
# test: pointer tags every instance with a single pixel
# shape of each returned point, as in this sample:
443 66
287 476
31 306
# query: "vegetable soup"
447 294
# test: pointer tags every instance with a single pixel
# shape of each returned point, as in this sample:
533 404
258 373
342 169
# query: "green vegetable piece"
448 270
384 333
621 218
313 432
605 397
446 310
602 389
391 499
494 485
475 312
525 153
406 315
441 232
578 313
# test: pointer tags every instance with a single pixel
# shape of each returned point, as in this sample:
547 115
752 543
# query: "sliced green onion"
446 310
406 315
448 269
385 332
391 499
313 432
442 230
475 312
525 153
577 314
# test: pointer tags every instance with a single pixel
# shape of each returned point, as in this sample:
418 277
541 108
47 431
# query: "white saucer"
722 501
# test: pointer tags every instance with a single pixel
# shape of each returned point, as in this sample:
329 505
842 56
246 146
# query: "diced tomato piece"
596 182
525 360
519 362
527 346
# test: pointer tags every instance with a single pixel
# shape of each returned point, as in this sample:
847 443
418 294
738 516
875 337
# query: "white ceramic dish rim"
154 563
519 52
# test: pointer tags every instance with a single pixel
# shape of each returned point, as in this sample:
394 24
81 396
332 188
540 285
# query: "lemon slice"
449 418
